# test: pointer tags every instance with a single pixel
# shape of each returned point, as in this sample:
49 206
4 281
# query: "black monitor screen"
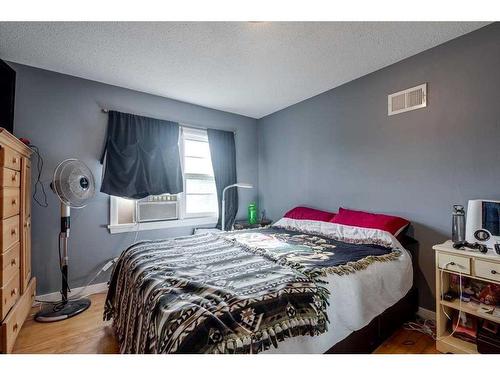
491 217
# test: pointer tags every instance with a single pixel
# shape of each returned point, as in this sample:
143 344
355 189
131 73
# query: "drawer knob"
13 292
14 160
13 262
14 202
494 272
13 177
13 231
15 327
452 263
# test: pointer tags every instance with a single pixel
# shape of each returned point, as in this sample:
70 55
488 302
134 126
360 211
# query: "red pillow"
391 224
306 213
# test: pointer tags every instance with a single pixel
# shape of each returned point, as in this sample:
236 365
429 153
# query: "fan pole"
63 238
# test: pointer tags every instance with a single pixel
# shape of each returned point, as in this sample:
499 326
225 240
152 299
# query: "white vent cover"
407 100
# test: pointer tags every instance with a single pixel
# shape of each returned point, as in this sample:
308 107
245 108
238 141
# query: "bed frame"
368 338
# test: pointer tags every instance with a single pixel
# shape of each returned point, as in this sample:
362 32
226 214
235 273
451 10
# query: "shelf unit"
484 267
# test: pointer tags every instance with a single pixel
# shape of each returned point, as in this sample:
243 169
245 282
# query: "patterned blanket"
313 252
237 292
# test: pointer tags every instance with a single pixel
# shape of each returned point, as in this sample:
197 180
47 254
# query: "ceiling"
249 68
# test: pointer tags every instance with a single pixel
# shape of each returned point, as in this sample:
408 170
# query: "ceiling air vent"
407 100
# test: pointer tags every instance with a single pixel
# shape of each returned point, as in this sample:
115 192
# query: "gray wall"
61 115
341 149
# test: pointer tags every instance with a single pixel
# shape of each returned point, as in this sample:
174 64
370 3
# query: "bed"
298 286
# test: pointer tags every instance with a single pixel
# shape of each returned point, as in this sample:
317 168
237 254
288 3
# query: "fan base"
55 313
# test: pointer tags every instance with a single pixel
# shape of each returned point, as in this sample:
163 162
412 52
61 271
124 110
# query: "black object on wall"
223 154
142 157
7 96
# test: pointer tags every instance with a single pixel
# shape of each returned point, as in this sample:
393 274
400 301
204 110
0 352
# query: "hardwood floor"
87 333
84 333
407 342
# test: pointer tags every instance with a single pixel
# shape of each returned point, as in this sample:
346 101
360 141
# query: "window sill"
190 222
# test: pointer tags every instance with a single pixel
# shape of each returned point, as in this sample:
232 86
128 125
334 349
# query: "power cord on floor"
425 326
81 293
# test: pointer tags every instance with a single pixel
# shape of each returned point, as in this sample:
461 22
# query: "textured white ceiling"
252 69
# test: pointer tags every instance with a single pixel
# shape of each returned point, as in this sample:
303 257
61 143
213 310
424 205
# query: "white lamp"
238 184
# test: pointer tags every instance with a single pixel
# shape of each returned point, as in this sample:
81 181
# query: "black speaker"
488 338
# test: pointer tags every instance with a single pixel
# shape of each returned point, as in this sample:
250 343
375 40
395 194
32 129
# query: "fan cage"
74 183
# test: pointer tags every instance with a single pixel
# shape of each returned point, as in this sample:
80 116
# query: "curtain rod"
105 110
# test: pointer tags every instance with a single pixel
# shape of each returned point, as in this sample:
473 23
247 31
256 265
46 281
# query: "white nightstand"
475 265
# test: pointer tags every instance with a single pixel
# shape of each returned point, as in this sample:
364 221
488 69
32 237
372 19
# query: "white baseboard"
426 314
54 297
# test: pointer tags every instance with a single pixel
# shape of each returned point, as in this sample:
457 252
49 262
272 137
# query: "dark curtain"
223 153
142 157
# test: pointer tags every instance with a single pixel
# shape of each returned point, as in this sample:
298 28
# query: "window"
197 205
200 195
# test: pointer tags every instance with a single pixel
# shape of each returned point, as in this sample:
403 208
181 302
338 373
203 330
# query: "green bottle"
252 214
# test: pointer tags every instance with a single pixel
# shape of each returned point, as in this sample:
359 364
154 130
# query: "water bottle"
458 224
252 214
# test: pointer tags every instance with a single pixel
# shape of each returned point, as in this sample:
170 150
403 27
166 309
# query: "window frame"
185 219
197 135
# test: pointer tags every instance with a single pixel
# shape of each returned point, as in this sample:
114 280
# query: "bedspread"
235 292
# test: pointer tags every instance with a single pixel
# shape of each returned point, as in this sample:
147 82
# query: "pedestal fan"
74 184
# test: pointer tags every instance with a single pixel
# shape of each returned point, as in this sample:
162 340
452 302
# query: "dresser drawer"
9 202
454 263
9 263
16 317
10 232
9 294
9 177
10 159
487 270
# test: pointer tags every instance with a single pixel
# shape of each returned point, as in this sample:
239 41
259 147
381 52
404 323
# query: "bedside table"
243 224
470 264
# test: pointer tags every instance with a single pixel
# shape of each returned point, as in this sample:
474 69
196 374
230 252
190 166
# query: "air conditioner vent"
157 208
407 100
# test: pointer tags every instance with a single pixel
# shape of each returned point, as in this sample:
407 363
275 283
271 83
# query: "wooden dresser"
17 287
